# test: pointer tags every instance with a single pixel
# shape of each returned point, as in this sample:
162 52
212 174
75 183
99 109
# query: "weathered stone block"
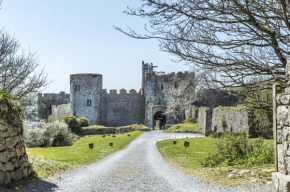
281 159
286 134
18 174
25 172
9 166
7 178
279 137
283 115
281 182
13 176
283 99
2 178
4 157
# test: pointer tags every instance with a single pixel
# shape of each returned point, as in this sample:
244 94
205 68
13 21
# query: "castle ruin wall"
47 100
122 108
59 112
236 120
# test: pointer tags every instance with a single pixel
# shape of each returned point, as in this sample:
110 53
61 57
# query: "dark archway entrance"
159 118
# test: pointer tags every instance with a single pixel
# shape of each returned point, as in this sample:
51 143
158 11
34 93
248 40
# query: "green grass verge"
48 161
183 127
94 127
188 160
137 126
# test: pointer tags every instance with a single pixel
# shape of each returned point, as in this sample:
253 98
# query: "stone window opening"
175 85
89 102
77 88
161 87
49 110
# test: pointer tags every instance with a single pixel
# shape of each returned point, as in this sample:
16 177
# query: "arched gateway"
159 119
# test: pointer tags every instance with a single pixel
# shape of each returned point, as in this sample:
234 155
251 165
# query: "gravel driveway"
139 167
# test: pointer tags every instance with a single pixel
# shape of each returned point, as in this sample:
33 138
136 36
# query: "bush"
236 149
43 134
73 123
208 133
189 120
83 122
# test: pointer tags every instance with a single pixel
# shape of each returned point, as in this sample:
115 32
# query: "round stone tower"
85 96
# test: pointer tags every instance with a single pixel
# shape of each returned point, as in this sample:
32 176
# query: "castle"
88 99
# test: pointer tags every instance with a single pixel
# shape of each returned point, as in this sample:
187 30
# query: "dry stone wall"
14 163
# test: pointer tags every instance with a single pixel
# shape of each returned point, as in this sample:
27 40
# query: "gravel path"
140 167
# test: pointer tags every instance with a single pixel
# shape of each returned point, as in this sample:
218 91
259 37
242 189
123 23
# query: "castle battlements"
113 107
155 76
120 92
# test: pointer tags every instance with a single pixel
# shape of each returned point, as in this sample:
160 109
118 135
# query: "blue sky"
73 36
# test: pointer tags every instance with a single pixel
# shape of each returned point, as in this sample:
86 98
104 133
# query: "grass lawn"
94 127
48 161
136 126
183 127
188 160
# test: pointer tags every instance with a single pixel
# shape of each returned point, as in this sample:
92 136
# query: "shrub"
128 135
43 134
208 133
114 136
83 121
236 149
189 120
104 136
72 123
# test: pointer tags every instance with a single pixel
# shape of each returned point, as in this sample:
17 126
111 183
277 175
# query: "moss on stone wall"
231 108
10 108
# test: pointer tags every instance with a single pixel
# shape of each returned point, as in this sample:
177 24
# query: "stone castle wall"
14 163
47 100
161 89
85 92
122 108
204 119
59 111
236 120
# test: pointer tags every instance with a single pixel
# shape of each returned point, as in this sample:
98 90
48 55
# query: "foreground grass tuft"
183 128
48 161
189 160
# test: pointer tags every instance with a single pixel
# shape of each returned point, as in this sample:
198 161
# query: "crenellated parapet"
121 93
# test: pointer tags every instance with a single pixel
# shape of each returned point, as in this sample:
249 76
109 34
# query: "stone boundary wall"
236 120
59 111
14 163
281 179
204 119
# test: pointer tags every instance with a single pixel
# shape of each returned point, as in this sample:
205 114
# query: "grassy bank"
183 128
188 160
48 161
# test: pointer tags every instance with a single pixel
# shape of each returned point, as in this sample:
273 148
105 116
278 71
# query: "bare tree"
18 73
236 40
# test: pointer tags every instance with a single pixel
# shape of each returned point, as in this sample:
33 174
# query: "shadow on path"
30 185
